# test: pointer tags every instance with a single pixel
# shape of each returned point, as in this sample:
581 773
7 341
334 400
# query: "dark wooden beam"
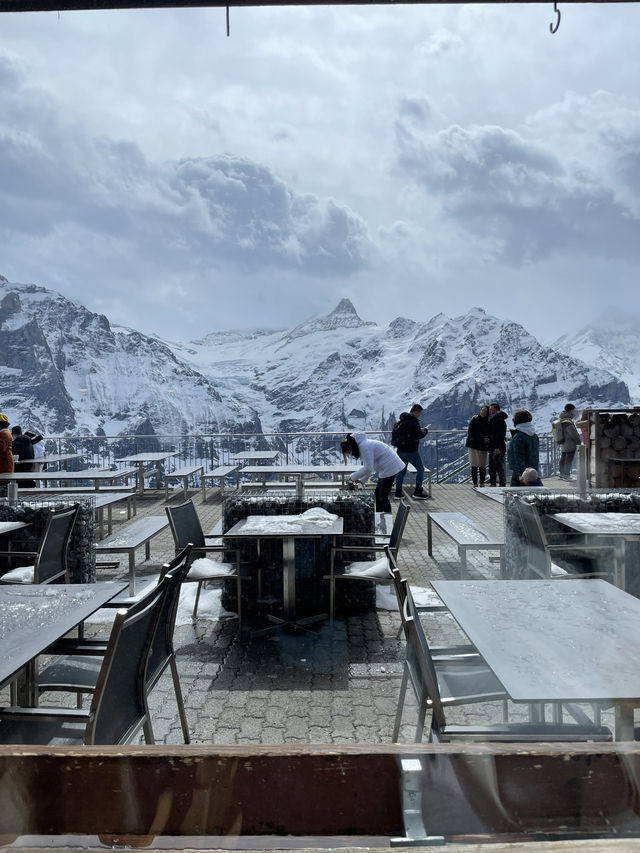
140 795
74 5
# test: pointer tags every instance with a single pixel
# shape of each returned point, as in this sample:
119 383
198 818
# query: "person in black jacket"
407 435
497 445
478 444
22 447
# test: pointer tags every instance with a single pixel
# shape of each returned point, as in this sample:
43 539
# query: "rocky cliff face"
65 369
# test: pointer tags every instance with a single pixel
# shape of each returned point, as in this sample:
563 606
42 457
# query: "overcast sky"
415 159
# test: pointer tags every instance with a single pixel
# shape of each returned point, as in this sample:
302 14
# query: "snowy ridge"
64 368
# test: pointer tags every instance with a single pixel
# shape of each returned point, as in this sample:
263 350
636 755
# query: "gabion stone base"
80 556
312 557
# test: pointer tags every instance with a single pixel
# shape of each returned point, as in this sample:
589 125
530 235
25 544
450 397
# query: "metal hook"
228 31
552 28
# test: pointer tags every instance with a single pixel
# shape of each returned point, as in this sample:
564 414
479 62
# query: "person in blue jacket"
524 447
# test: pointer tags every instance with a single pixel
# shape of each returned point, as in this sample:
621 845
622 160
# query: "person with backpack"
406 436
568 438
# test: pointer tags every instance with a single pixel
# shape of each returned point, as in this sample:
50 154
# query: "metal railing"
442 451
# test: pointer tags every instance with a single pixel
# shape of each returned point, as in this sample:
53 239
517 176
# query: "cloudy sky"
415 159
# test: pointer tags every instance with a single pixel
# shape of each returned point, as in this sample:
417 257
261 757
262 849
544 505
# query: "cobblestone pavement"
337 686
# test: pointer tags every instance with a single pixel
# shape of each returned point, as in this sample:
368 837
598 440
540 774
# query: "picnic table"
336 472
574 641
143 458
99 476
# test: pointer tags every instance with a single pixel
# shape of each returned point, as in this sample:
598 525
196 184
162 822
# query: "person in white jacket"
375 457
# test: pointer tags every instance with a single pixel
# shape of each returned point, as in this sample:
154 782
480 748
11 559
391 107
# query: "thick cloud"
528 196
55 181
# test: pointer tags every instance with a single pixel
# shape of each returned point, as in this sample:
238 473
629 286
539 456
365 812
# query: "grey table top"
151 456
552 640
58 457
279 526
32 616
9 526
300 469
256 454
605 523
96 474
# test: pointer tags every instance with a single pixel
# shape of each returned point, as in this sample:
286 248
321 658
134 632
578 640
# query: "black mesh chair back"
173 574
185 526
51 560
398 527
119 706
538 559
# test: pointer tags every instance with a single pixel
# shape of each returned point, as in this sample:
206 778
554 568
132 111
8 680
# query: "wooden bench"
131 537
427 475
184 474
467 534
220 473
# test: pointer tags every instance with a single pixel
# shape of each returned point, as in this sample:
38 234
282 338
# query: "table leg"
619 563
462 553
141 477
429 536
132 572
100 513
289 577
109 519
623 721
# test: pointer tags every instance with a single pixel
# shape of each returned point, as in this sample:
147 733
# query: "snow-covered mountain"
65 369
341 372
613 342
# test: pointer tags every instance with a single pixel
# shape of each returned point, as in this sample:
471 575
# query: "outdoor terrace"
337 686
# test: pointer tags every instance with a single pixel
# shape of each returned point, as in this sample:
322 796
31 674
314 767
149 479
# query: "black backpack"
400 435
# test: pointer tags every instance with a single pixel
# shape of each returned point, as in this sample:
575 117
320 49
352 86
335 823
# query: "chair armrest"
68 715
74 646
337 549
19 553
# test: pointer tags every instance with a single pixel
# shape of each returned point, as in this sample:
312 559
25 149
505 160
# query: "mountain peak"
343 316
344 308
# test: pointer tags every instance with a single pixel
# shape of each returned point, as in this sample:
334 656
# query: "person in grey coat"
570 440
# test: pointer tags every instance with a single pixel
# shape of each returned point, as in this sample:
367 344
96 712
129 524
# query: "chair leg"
239 594
195 606
179 700
422 713
400 708
148 730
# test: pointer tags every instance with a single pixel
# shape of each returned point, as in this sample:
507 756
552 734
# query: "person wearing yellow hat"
6 448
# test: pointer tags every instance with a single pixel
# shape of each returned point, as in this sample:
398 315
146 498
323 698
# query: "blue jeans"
412 456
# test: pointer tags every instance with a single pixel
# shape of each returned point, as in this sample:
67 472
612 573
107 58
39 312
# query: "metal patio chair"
540 550
78 671
118 707
50 563
371 571
440 686
186 529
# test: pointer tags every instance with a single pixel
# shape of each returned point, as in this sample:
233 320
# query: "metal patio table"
555 641
33 616
288 528
621 527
